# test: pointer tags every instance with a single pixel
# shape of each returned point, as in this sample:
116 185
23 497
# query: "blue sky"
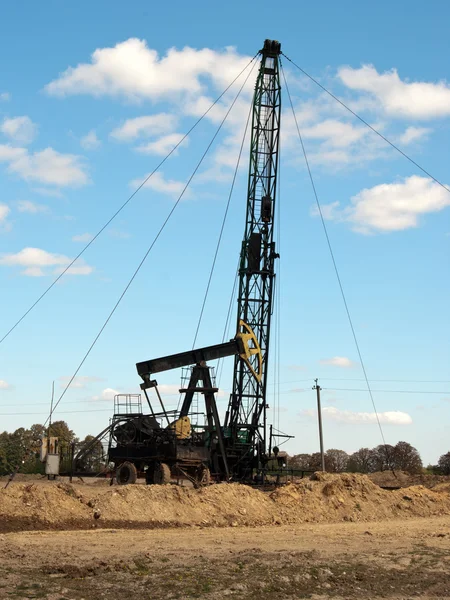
91 99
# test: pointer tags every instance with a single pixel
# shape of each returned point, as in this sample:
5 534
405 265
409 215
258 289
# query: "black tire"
162 474
126 473
150 475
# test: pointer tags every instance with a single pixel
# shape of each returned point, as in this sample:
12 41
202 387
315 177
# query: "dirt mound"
41 506
326 498
442 487
402 479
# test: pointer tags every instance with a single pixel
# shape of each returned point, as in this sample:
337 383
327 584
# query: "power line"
368 125
371 380
119 210
149 249
386 391
335 265
66 412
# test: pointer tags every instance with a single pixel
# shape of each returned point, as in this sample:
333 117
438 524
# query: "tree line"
401 457
22 448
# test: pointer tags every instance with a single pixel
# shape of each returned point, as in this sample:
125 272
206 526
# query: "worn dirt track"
389 559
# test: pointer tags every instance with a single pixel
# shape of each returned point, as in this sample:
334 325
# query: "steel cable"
336 268
119 210
149 249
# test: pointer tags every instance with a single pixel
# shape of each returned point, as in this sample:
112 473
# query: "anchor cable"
368 125
119 210
350 320
223 221
155 239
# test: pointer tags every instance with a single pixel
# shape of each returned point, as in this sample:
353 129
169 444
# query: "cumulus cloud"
4 385
338 361
90 141
38 263
51 167
391 206
26 206
145 126
83 237
19 129
413 134
45 166
79 382
163 145
159 183
332 413
418 100
107 394
4 212
152 76
10 153
338 134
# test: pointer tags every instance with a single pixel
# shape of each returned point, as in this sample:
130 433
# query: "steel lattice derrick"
246 415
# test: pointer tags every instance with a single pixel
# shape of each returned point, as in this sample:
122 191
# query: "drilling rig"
246 415
163 444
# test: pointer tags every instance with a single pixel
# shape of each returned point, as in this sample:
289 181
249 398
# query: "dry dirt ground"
332 537
389 559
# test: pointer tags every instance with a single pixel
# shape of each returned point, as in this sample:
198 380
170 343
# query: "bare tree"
362 461
336 461
383 456
407 458
444 464
300 461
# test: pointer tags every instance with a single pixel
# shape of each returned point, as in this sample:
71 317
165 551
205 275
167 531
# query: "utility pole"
319 413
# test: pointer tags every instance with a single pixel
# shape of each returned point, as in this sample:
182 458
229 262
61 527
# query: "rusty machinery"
163 443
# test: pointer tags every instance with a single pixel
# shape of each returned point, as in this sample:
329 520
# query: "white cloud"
332 413
19 129
4 212
338 134
75 270
419 100
106 394
338 361
83 237
4 385
158 183
26 206
163 145
10 153
5 96
391 206
145 126
90 141
46 166
413 134
151 76
80 381
38 262
51 167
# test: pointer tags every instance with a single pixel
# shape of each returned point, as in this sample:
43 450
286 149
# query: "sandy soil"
327 498
389 559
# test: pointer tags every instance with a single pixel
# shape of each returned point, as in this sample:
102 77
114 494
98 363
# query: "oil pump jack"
163 444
